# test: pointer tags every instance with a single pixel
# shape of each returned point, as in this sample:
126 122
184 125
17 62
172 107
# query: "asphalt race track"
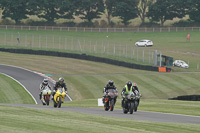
31 81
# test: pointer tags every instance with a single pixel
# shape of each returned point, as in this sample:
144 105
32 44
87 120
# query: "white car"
144 43
180 63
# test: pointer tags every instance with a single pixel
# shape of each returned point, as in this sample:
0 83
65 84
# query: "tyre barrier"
84 56
187 98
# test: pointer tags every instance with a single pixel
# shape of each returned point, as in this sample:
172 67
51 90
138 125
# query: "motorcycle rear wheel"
55 104
136 106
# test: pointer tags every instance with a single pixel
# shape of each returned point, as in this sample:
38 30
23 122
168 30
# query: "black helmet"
61 80
129 84
45 81
110 82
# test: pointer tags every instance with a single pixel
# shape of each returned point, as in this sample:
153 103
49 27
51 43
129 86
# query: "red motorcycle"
110 99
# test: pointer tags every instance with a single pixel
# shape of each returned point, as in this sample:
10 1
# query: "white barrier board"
100 102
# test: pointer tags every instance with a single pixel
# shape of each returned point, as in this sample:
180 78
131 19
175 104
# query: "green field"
86 79
23 120
12 92
118 45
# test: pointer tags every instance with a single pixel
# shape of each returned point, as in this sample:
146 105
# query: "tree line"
51 10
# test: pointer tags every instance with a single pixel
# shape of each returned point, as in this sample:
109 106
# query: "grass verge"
22 120
12 92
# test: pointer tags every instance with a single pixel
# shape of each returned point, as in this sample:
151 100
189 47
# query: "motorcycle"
46 93
59 97
137 100
110 99
128 103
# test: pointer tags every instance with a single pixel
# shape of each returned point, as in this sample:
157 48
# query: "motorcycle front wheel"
131 107
111 105
59 102
47 99
125 110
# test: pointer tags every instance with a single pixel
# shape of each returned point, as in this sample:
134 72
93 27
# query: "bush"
69 24
103 23
7 21
186 23
150 24
86 24
37 23
96 23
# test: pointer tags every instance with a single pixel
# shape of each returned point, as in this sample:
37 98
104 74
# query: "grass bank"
23 120
86 79
12 92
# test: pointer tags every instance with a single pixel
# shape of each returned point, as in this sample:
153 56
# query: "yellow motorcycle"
59 97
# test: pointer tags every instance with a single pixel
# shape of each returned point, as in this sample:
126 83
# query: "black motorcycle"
128 103
137 100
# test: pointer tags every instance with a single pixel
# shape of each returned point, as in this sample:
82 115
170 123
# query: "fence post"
114 49
59 42
53 42
143 55
39 42
32 41
26 41
90 46
46 41
137 54
65 43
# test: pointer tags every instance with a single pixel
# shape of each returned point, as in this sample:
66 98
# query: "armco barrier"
83 57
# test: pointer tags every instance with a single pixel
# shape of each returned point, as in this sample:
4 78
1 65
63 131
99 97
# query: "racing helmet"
61 80
134 84
45 81
111 82
129 84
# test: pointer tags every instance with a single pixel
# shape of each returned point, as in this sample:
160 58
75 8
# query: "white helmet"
61 79
45 81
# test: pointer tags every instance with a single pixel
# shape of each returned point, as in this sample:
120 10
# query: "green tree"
109 5
55 9
194 12
163 10
48 9
143 8
90 9
15 9
126 10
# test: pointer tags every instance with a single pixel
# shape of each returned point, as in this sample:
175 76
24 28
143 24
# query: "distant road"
31 80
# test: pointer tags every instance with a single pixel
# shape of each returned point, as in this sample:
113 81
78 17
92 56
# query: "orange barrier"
162 69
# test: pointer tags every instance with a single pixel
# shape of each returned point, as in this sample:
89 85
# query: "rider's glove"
66 92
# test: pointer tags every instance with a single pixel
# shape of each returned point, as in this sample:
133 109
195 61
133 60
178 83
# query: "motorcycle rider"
42 86
127 88
135 87
109 85
59 83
